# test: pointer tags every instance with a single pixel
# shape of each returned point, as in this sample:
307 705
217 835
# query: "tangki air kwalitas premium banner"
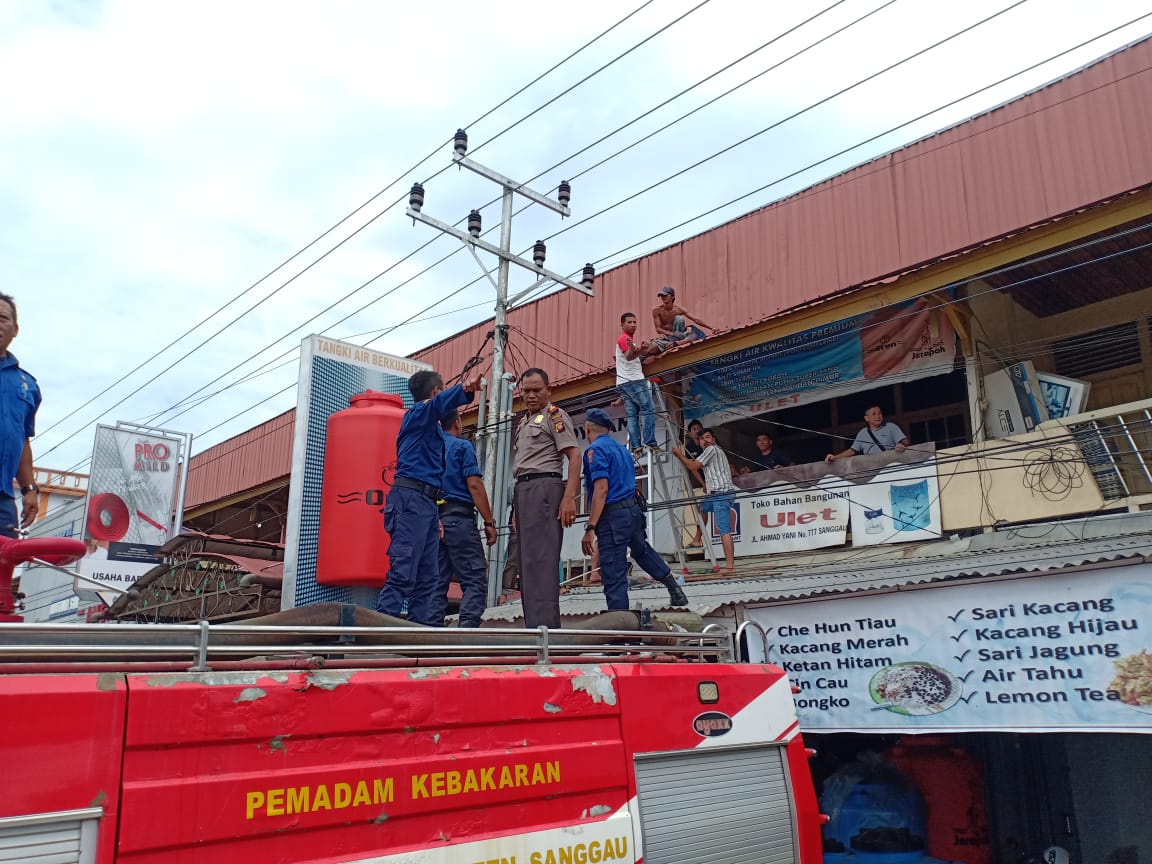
131 504
897 343
331 372
1036 654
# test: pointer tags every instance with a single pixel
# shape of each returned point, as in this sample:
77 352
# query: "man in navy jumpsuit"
410 515
461 554
615 517
19 399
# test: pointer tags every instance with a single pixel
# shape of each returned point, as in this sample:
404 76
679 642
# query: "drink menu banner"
1038 654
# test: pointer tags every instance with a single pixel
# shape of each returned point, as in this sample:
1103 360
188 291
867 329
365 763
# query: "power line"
791 116
1006 268
694 86
556 165
425 245
590 76
343 221
897 128
601 162
847 150
859 144
592 367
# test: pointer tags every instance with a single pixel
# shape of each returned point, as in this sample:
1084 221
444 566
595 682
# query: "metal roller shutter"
716 806
50 838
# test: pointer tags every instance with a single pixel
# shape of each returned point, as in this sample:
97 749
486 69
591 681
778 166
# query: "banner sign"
898 343
900 504
130 506
331 372
1038 654
886 498
789 518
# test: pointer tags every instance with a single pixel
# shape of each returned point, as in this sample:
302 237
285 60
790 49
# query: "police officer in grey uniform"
545 503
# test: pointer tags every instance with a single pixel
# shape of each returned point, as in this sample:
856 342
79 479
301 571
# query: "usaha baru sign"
1037 654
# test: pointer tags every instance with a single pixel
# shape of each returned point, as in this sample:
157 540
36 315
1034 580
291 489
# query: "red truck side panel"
663 705
62 746
330 766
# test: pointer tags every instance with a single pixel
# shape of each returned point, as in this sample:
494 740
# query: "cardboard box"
1015 401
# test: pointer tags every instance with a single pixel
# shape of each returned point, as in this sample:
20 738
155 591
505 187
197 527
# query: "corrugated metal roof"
1036 549
220 544
261 454
1053 151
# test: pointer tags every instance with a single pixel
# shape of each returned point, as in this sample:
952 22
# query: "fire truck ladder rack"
200 647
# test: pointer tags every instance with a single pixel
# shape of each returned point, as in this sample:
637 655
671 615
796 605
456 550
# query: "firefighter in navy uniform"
544 502
410 515
615 517
461 555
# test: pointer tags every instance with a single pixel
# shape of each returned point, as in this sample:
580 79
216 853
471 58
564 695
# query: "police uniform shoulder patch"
589 456
554 416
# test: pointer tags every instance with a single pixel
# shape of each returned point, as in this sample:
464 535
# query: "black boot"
676 595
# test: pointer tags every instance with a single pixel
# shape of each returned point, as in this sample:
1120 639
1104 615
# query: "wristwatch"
589 527
31 487
489 524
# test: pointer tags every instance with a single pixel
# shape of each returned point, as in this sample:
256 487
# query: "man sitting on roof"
672 322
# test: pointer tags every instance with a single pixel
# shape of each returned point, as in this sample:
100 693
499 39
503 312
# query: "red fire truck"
137 744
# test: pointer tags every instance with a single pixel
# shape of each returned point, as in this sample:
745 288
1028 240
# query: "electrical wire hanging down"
473 361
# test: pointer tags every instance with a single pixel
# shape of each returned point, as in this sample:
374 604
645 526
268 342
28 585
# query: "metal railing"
1117 445
743 649
199 645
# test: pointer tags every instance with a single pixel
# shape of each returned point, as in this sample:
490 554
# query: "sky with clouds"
159 161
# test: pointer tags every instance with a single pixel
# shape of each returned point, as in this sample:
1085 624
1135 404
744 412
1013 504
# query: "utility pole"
497 470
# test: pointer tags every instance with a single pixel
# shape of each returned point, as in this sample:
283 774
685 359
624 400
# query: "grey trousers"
540 533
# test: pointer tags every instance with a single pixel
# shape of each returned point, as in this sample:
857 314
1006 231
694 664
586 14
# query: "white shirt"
627 370
717 472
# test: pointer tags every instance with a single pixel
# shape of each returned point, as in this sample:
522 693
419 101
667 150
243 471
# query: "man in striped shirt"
721 491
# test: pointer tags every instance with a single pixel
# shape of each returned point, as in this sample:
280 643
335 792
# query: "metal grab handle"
763 639
720 628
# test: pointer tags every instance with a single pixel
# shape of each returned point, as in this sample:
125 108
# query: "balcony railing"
1117 445
61 482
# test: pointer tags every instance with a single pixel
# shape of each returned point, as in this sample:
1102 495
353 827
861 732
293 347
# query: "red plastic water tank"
359 463
951 782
